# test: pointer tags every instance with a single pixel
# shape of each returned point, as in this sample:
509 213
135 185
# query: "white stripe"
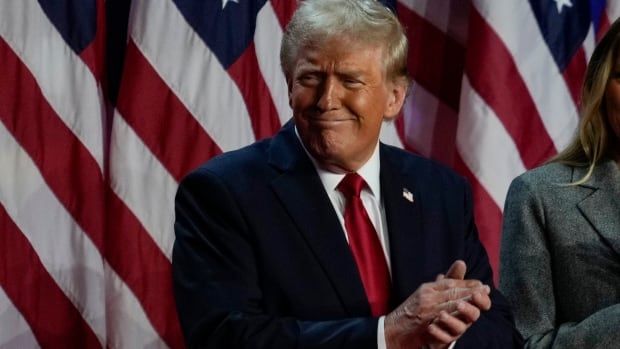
613 10
143 184
422 9
515 23
67 254
14 330
420 112
267 38
192 71
485 145
128 326
417 6
64 79
589 43
447 16
437 12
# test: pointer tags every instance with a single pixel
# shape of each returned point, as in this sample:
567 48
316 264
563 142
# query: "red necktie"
365 245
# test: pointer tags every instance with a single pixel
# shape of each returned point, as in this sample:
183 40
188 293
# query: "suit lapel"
601 205
404 228
303 196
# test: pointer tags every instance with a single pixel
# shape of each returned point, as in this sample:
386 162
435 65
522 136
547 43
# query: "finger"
440 277
450 307
457 293
457 270
451 324
450 300
437 334
447 283
466 312
481 300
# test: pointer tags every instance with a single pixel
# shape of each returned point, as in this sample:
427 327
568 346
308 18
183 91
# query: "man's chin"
333 162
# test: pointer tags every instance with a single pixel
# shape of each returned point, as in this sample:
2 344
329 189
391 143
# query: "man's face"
339 96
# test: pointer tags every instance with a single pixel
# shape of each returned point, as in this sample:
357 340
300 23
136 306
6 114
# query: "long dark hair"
592 142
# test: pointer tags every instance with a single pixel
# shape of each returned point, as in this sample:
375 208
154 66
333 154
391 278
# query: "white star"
561 3
226 1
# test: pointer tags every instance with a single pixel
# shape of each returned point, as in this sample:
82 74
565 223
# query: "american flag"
87 185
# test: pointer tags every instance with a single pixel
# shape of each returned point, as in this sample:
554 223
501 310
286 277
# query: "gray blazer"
560 257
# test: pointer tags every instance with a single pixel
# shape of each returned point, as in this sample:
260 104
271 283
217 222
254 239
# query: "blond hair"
592 143
366 21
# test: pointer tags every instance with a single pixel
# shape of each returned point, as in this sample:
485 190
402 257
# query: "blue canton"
228 31
76 20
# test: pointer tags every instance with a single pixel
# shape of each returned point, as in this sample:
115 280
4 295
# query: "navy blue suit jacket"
261 261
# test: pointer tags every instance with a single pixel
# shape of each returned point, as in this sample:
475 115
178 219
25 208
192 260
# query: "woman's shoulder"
550 175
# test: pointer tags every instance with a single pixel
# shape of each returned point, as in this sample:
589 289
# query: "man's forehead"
350 65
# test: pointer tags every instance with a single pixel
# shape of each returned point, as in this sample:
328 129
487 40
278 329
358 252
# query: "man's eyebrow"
308 67
350 72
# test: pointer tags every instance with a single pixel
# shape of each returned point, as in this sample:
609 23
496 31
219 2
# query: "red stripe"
436 61
93 55
53 319
144 268
247 75
443 142
284 10
603 27
68 168
574 74
175 137
74 176
487 214
157 115
494 76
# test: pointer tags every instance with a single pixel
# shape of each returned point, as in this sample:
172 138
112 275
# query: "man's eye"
308 79
352 82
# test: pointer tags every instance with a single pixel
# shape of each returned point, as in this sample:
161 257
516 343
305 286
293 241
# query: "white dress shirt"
373 203
371 199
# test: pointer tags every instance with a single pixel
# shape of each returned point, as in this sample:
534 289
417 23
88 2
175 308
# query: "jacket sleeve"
495 328
527 280
217 287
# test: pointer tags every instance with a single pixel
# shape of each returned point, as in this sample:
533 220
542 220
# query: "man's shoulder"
246 161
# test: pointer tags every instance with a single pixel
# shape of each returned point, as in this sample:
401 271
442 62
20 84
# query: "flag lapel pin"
407 195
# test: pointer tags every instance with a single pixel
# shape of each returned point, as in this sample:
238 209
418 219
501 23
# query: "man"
322 237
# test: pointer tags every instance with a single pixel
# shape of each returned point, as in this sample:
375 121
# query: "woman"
560 252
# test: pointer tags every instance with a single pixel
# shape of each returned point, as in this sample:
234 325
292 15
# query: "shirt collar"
370 171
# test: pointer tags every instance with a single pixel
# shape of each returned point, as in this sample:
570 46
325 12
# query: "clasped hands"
438 312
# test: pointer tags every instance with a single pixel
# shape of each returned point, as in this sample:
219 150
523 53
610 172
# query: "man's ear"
396 98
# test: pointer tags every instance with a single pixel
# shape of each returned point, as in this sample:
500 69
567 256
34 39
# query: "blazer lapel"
404 228
303 196
601 205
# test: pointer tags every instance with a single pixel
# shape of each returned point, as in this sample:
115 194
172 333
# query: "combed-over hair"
366 21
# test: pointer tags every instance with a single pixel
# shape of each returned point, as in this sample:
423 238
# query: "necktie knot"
351 185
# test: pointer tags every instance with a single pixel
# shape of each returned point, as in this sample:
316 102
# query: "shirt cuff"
381 344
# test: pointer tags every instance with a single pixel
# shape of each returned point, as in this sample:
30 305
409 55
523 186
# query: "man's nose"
329 94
